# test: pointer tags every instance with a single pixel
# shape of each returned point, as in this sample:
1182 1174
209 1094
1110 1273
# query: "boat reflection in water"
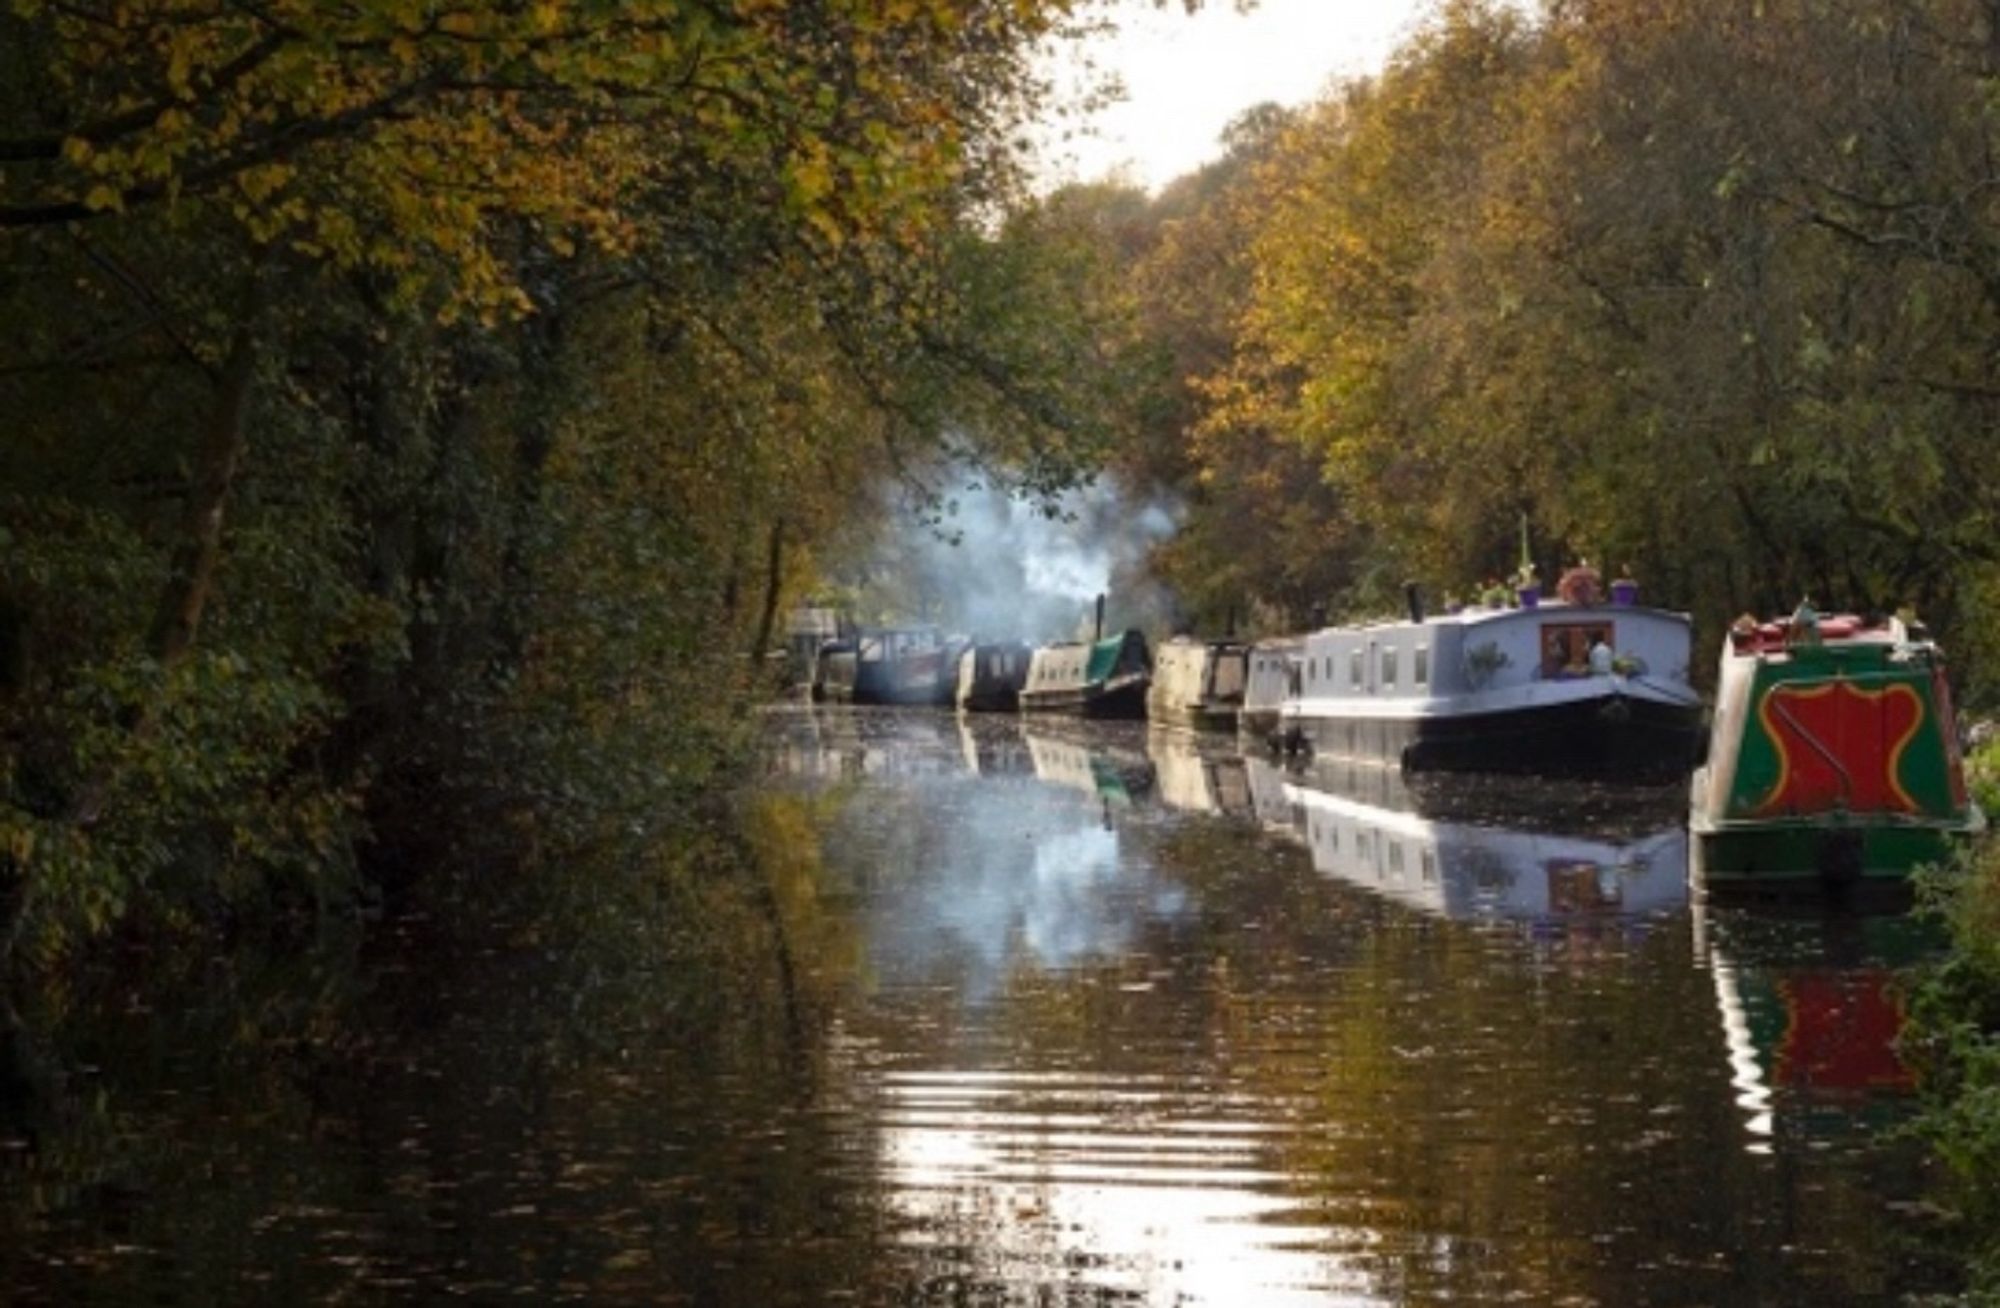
1197 776
1519 861
1112 768
1810 1006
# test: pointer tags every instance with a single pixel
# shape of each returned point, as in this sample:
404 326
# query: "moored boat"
1586 691
1106 678
1198 683
1833 757
833 672
1269 681
904 665
991 674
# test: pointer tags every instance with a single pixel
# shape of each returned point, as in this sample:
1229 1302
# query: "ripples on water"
1071 1015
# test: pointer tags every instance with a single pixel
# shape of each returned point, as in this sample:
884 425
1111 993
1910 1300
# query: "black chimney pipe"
1415 599
1100 620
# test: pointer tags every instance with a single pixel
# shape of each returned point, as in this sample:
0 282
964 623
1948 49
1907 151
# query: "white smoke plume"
998 567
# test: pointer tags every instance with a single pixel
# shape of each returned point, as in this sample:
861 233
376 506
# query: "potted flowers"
1527 586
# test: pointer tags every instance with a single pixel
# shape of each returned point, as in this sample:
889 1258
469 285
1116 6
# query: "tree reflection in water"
963 1014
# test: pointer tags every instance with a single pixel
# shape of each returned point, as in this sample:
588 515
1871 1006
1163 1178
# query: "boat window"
1354 668
1566 647
1389 666
1420 670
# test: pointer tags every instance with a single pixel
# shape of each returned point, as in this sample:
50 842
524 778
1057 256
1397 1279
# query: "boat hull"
1123 699
1815 854
1195 717
1617 739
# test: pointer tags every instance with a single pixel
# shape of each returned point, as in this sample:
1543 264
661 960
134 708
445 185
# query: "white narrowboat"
1268 682
1103 679
1597 692
1198 683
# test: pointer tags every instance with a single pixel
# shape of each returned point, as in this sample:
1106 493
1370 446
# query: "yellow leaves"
261 182
77 151
101 198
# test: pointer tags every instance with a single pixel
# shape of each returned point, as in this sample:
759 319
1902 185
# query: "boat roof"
1474 616
1833 631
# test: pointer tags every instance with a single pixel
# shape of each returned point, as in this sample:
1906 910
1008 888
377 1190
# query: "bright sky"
1186 78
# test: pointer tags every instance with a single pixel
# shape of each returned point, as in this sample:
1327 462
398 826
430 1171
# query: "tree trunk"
192 572
774 576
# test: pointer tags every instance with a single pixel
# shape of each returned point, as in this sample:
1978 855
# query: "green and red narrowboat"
1833 756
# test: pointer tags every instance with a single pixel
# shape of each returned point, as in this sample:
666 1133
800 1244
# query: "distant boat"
833 672
1833 756
905 665
1103 679
1198 683
1272 666
1596 692
991 674
808 628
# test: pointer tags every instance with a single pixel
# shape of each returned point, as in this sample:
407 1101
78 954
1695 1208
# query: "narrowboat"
1268 682
1585 691
1106 678
1833 756
904 665
1198 683
991 674
808 628
833 672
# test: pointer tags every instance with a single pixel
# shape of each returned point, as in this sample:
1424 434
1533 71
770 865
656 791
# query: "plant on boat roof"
1482 661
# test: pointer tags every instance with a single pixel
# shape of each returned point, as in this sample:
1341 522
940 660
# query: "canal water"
1027 1014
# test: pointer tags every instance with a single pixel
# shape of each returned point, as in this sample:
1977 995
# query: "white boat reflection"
1266 779
1097 765
1211 780
1485 869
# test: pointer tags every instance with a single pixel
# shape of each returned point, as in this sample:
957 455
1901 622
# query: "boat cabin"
1104 678
1199 682
1487 651
991 674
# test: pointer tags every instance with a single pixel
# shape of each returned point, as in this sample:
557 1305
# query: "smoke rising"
998 567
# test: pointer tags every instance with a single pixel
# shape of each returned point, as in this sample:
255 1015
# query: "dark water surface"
1048 1015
